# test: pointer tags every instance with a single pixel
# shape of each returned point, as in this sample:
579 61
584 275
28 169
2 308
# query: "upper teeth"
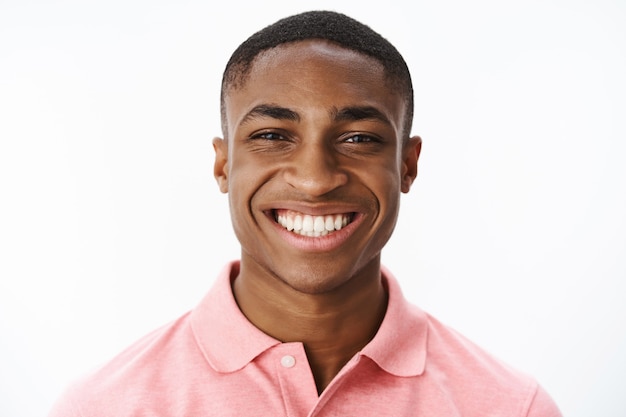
314 226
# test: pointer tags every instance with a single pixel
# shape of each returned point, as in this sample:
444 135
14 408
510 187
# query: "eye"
269 136
360 139
269 141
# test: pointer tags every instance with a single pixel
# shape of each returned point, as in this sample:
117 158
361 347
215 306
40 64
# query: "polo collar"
229 341
399 347
225 336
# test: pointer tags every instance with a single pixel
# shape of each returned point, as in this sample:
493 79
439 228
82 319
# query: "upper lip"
313 209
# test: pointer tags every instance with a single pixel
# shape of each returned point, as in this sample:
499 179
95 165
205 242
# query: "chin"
316 279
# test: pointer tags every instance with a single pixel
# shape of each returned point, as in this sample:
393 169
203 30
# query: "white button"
288 361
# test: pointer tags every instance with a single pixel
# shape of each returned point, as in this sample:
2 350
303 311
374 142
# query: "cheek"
239 192
385 183
386 187
247 176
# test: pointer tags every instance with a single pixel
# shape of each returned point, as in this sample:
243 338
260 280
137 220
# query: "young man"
316 113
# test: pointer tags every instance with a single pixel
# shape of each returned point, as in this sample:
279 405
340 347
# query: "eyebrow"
350 113
271 111
356 113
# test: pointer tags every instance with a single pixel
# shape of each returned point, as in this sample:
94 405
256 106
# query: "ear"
410 155
220 167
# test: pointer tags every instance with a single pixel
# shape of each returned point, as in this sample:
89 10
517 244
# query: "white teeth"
319 224
297 223
307 224
313 226
329 223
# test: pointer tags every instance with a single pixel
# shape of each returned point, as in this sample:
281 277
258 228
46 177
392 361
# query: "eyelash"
362 138
265 136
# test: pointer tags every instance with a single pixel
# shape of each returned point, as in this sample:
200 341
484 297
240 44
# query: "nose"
315 170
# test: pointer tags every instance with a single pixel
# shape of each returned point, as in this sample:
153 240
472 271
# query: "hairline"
237 75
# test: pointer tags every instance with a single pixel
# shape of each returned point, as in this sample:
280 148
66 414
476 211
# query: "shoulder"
469 371
145 367
448 370
160 372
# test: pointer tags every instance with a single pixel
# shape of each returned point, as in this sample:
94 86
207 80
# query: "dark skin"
333 327
315 130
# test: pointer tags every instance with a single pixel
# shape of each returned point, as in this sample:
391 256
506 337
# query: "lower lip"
319 244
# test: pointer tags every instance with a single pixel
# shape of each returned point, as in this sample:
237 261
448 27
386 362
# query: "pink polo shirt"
213 362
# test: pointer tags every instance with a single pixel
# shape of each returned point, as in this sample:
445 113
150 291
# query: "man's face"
314 164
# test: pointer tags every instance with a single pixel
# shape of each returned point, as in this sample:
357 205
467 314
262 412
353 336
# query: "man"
316 115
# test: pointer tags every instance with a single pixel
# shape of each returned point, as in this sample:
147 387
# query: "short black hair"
327 25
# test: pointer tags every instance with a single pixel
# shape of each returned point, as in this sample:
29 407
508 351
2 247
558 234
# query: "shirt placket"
295 378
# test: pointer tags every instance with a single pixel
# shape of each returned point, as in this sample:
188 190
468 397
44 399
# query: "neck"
333 326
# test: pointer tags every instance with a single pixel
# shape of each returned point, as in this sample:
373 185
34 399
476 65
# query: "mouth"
312 225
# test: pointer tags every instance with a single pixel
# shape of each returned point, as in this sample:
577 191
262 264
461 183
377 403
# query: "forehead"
314 73
315 51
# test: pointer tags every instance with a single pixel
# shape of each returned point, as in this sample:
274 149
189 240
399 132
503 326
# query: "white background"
111 223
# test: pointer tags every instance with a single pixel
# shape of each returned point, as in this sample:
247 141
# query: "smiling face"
314 163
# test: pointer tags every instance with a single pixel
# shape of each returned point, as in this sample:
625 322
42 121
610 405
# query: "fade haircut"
331 26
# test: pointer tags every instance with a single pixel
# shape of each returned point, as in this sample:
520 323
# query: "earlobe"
411 154
220 167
